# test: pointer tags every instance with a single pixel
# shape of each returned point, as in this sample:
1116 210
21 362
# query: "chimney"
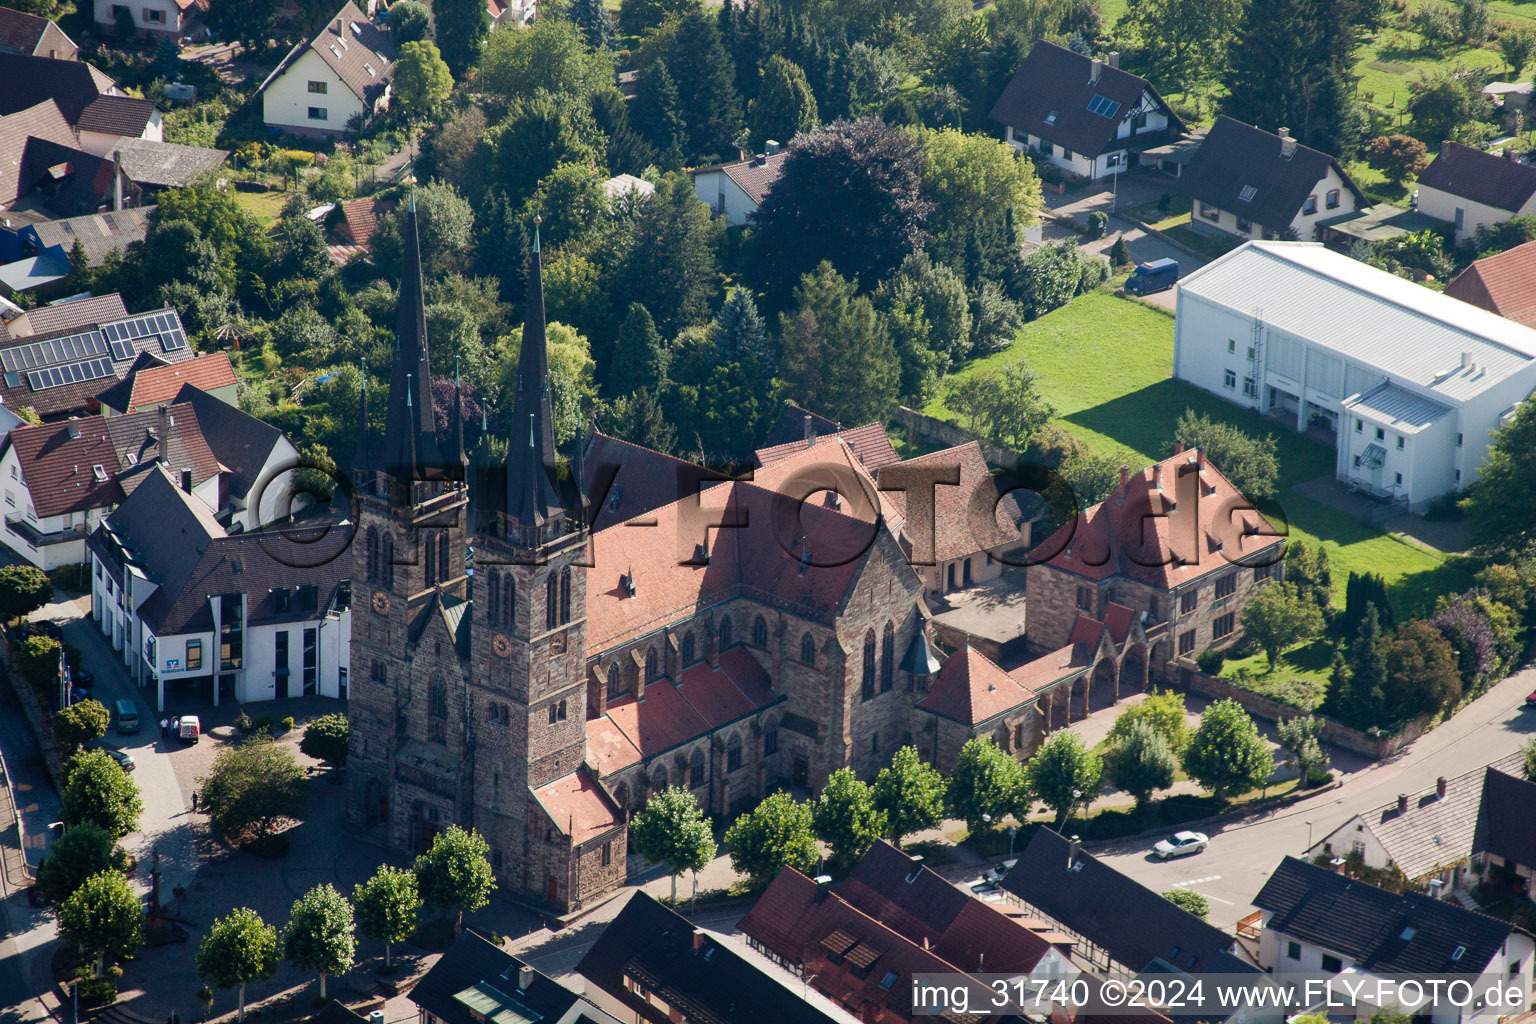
74 428
1440 788
1125 477
1402 803
1157 476
1466 360
1073 847
1287 144
1095 70
1510 154
524 978
823 884
760 159
164 435
1113 60
186 480
1178 446
810 431
1200 457
771 146
117 181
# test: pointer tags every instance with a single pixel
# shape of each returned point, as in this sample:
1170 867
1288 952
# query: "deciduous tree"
1064 773
1182 41
1276 617
409 21
1498 506
777 833
23 590
673 830
239 948
97 791
461 27
83 850
910 793
845 816
986 783
253 788
102 919
320 934
1188 899
1164 711
387 906
1249 462
1301 738
1141 762
422 80
84 721
455 872
1226 754
325 739
1517 45
1398 157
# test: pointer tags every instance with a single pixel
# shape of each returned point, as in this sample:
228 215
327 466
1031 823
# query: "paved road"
1243 855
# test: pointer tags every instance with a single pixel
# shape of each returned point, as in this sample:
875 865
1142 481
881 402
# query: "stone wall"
1334 733
930 428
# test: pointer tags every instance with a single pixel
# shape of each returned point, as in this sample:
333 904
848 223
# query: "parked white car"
1181 844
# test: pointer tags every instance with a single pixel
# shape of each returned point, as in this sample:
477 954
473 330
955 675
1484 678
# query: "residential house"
351 227
72 84
1413 383
1251 183
970 523
64 316
476 981
736 189
1315 920
323 84
67 361
1085 115
99 235
151 382
517 13
870 445
44 174
1504 283
198 613
34 36
656 967
107 120
61 479
861 942
1469 189
257 459
150 17
1122 928
1449 837
1165 564
154 165
622 185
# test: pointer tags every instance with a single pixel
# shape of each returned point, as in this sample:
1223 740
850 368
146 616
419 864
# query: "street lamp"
1013 830
1309 838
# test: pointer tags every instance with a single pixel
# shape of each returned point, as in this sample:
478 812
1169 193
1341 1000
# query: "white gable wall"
287 100
1451 208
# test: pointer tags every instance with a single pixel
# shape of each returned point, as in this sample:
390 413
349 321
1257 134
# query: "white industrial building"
1412 383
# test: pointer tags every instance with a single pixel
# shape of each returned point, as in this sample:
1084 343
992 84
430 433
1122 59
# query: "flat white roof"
1369 316
1392 406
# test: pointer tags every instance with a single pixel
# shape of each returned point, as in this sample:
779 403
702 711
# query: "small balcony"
19 525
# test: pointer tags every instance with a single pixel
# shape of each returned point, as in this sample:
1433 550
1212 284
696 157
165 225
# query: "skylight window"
1247 194
1051 117
889 980
1103 106
357 29
1458 952
1408 933
99 472
369 68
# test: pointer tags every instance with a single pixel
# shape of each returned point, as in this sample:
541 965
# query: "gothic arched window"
615 682
650 665
808 649
509 600
437 711
430 551
688 648
443 562
888 657
389 561
725 632
492 595
759 632
868 682
565 596
373 554
551 601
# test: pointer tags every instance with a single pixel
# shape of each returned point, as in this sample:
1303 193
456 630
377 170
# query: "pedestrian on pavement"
194 801
165 727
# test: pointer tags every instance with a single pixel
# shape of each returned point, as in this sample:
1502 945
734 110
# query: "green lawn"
1300 677
1104 363
266 207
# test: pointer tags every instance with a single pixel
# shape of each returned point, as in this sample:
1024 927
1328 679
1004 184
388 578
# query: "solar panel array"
69 373
166 325
54 351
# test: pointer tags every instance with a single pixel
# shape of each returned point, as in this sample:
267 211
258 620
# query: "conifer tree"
658 114
785 105
640 357
596 27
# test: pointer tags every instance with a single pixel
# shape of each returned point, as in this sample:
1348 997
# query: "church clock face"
557 644
381 602
501 646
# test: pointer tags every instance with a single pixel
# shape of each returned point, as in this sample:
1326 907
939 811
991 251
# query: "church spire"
459 456
532 500
360 457
411 448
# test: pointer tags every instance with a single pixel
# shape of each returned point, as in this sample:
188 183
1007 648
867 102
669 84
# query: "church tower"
559 837
411 749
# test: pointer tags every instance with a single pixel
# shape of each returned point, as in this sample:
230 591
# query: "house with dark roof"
1251 183
1451 836
342 73
656 967
1165 564
734 190
197 611
99 234
1317 921
34 36
1085 115
1468 188
153 165
476 981
150 18
61 479
61 358
1120 925
72 84
1504 283
108 119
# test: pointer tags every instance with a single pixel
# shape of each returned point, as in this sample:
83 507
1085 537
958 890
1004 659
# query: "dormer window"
1247 193
1051 117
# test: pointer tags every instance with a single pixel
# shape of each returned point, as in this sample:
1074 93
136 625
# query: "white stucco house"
195 611
1411 382
150 17
1316 921
1085 115
1469 189
1247 182
342 73
108 120
735 190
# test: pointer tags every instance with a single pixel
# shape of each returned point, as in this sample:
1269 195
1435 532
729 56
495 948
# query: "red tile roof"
58 470
753 178
359 217
672 714
156 384
659 721
28 33
608 749
44 121
1504 283
578 806
870 443
1142 533
1038 674
812 474
954 535
972 689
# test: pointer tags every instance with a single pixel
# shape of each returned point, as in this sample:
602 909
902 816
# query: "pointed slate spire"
531 496
360 462
411 447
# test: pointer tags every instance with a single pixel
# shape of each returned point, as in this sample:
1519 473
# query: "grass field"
1104 363
1300 677
266 207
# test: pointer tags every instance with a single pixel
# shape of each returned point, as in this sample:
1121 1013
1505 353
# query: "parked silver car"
1181 844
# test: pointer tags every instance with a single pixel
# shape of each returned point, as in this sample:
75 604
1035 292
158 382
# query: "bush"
243 722
264 724
1319 777
74 578
1210 661
1446 508
285 723
1188 899
1165 202
1098 224
97 992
